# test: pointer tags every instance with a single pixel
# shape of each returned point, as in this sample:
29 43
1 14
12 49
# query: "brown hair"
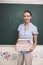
28 12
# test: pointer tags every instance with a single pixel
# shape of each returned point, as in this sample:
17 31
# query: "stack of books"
23 45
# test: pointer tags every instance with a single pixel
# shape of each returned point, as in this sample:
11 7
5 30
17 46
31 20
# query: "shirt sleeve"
19 28
35 30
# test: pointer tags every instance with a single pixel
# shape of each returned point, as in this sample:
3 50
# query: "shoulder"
20 27
34 29
33 26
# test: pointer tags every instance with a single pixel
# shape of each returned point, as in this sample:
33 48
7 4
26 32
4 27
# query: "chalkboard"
11 15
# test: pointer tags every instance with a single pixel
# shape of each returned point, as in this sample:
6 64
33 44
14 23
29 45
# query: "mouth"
26 19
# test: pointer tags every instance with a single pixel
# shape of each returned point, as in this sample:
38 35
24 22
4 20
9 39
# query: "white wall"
37 55
23 1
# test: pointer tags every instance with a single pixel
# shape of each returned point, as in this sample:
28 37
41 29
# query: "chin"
26 21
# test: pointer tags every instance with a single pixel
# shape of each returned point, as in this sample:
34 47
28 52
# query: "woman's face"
27 17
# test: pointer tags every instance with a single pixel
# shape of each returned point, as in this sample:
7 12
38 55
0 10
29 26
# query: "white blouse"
28 32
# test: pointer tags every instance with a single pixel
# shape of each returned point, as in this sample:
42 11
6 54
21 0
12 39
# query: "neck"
27 23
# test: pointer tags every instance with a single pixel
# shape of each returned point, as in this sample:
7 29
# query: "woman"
27 31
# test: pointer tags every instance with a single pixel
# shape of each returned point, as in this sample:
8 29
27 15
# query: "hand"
31 49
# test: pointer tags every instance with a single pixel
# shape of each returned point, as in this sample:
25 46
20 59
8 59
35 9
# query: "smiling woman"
24 31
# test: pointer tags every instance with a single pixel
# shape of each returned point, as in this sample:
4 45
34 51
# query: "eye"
24 16
27 15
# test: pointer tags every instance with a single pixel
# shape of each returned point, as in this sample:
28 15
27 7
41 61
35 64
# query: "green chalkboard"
11 15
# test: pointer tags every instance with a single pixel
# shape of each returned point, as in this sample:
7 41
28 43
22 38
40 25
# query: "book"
23 45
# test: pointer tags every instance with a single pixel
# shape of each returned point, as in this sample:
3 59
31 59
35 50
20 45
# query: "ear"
31 17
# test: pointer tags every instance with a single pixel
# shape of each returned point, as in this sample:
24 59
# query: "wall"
11 15
23 1
12 59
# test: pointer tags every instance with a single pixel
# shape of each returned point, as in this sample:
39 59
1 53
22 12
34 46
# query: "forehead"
26 13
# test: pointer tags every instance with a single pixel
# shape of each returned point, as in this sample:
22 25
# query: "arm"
18 37
35 42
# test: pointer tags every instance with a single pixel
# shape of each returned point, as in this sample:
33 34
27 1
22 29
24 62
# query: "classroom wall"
11 15
23 1
12 59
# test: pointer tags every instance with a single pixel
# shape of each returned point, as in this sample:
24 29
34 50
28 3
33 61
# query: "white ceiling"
23 1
